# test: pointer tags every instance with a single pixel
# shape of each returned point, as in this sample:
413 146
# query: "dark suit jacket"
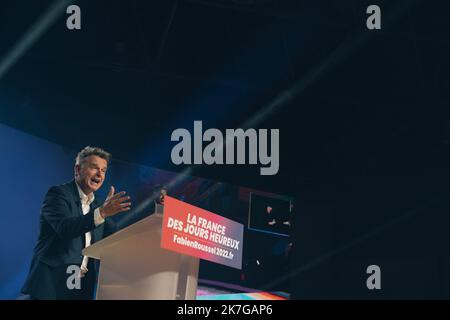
61 240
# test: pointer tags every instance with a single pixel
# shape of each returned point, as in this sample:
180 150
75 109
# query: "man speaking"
71 219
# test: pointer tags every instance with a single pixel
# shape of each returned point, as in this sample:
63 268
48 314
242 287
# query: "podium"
133 266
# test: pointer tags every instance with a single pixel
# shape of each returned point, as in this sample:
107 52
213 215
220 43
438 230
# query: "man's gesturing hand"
114 203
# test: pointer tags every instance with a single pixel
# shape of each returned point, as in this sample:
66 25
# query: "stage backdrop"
28 167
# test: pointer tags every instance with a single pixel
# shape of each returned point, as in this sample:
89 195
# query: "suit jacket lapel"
76 197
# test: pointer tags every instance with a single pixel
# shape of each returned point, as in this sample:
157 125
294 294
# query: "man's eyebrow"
96 165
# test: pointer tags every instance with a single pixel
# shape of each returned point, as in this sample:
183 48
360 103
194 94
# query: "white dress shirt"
86 202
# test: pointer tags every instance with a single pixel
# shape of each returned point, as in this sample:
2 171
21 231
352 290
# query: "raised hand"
115 203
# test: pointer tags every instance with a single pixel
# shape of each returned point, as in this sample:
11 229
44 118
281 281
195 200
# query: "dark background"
259 217
363 115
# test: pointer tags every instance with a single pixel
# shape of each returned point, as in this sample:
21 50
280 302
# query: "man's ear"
77 170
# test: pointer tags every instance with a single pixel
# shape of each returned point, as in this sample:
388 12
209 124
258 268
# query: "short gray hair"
92 151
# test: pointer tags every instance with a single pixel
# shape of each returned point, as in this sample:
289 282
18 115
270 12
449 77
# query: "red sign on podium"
193 231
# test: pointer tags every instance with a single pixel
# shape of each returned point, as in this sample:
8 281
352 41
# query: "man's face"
162 194
90 174
269 209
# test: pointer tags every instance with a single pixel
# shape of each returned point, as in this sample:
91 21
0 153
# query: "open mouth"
96 181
